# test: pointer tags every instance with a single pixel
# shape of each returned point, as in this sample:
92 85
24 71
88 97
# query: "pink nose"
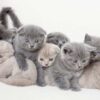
46 64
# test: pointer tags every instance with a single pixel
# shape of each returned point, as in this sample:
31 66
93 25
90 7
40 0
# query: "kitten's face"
57 38
6 51
93 41
48 54
75 56
32 39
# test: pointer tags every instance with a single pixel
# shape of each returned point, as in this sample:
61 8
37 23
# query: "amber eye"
41 59
51 59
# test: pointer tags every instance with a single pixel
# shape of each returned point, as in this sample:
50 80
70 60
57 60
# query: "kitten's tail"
8 11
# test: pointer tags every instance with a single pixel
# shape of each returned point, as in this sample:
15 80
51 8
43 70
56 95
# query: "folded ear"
90 48
50 35
20 31
87 38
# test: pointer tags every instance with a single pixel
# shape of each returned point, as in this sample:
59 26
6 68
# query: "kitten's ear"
90 48
20 31
50 35
67 50
87 38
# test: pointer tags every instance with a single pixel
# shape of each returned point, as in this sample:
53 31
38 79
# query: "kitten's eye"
75 61
27 40
41 59
51 59
84 61
36 41
63 41
57 41
65 51
0 56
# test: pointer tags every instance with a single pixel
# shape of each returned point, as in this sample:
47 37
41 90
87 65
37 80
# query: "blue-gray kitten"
27 42
68 66
57 38
93 41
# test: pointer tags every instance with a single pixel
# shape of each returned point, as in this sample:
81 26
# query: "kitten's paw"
42 84
64 87
77 88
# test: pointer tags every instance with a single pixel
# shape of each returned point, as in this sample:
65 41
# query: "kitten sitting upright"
93 41
46 57
57 38
68 65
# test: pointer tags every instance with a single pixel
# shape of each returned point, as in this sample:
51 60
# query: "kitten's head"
93 41
76 56
48 54
6 51
31 37
57 38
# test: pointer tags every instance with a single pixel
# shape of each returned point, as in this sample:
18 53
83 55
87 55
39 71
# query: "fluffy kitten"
91 76
57 38
9 69
27 43
69 65
93 41
46 58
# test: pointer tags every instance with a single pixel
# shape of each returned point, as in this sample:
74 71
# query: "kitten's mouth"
45 67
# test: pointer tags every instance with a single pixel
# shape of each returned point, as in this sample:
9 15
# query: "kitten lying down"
64 68
10 73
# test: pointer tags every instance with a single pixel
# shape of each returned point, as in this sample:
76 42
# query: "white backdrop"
72 17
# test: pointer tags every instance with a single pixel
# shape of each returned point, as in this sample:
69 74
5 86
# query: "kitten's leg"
17 80
62 82
20 58
75 84
40 76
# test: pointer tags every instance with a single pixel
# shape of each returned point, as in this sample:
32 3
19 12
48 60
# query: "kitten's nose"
46 64
60 45
31 46
79 66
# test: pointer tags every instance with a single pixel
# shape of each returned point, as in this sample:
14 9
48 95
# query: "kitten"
57 38
9 69
91 76
46 58
93 41
69 65
27 43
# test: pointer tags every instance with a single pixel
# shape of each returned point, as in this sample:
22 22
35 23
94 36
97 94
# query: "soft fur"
46 58
93 41
57 38
91 76
69 65
27 43
9 69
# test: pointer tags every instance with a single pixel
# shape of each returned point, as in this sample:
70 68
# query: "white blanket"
8 92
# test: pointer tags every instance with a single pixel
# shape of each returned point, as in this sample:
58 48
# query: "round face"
31 43
74 58
46 61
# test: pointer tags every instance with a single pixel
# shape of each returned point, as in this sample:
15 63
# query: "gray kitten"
57 38
93 41
27 43
68 66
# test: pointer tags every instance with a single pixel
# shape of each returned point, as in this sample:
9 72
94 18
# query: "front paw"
76 88
42 84
64 87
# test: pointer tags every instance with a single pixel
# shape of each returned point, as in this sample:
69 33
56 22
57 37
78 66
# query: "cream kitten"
10 72
91 76
46 58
